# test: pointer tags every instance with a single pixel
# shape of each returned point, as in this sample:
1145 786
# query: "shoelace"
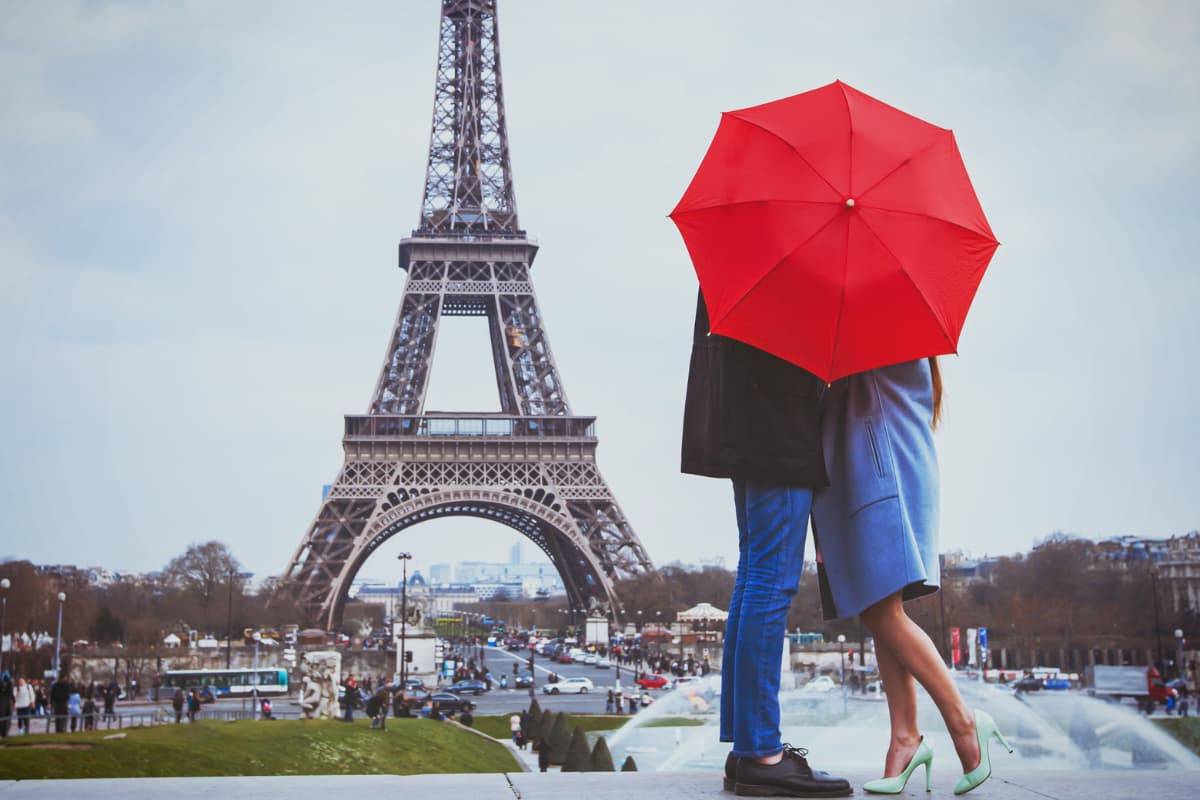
796 752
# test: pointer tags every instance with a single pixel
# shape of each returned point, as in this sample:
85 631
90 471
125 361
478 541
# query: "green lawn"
1186 730
281 747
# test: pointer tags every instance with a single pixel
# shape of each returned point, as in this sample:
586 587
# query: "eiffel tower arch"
532 466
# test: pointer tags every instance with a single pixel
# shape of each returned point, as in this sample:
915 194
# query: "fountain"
1060 730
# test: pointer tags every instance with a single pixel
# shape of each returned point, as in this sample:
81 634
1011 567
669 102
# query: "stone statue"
320 671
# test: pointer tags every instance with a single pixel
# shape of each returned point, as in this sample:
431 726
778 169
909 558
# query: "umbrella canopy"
836 232
702 612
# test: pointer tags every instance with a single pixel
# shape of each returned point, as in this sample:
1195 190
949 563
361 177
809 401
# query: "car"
591 659
468 687
564 658
449 703
1027 684
578 656
523 681
569 686
651 681
819 685
603 663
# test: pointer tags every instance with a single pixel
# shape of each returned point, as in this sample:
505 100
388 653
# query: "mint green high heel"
896 783
985 731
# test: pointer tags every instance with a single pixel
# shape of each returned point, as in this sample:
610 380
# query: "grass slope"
1185 729
282 747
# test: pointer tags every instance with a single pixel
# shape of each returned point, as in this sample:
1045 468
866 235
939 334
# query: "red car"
565 658
651 681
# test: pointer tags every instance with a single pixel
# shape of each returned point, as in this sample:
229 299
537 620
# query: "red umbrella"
836 232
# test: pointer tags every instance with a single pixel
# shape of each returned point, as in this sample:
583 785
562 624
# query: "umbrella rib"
712 326
937 317
893 170
959 225
799 155
750 203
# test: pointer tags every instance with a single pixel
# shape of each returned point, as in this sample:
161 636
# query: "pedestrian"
177 704
110 702
754 419
60 698
351 699
24 704
75 707
543 755
8 702
608 703
193 704
466 717
89 714
514 727
877 534
618 702
41 702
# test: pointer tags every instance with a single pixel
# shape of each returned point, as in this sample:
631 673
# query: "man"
755 419
60 700
177 704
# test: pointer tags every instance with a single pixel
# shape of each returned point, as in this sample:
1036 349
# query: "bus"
228 682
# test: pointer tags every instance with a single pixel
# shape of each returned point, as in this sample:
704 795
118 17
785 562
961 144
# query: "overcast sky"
200 204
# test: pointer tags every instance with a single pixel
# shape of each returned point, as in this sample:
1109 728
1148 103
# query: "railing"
395 427
35 724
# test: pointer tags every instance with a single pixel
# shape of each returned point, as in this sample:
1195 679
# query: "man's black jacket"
749 415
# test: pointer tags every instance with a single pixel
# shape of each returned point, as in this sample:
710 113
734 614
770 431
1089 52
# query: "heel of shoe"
1000 738
928 777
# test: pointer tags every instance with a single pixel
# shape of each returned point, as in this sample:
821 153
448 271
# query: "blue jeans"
772 523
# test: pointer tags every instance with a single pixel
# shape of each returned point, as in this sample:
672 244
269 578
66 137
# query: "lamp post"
229 625
62 598
1179 652
254 683
4 584
841 653
404 559
1157 629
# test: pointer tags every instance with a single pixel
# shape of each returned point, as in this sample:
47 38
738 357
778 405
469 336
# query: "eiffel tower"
532 466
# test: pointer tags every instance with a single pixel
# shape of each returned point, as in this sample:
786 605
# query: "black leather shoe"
731 762
791 777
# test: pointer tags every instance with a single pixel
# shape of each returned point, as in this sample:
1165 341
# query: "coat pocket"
869 474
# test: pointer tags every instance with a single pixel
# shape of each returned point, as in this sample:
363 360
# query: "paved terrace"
1007 785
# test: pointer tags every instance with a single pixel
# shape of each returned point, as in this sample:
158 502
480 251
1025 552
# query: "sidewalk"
593 786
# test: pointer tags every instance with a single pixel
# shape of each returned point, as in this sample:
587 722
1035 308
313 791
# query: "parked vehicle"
651 681
819 685
1030 683
1143 684
449 703
569 686
603 663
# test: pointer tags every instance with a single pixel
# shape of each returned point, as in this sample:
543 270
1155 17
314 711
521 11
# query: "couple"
859 457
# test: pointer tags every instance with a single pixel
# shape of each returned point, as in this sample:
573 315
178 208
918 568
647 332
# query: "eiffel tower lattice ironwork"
532 466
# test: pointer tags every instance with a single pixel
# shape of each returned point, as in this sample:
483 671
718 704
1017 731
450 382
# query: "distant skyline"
200 205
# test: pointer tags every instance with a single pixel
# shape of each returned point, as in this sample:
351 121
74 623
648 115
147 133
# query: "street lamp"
1179 652
254 683
4 584
62 598
403 559
229 625
841 640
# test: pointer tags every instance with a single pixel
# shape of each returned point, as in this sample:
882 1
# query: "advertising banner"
983 647
955 647
972 648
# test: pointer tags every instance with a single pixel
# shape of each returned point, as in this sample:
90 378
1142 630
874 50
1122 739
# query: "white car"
603 663
820 685
591 659
578 656
569 686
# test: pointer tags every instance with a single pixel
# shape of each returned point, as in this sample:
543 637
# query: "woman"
876 534
25 705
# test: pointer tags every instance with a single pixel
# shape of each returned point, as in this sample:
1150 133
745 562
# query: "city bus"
227 682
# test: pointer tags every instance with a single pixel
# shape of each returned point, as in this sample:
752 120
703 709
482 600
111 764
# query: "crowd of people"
70 705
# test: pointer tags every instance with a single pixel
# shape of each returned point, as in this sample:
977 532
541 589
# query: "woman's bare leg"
901 692
910 645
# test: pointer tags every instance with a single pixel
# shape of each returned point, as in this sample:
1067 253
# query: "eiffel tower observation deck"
532 466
